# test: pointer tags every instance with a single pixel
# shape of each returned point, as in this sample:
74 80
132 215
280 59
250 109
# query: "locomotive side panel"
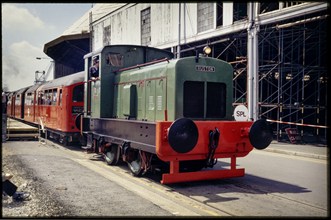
143 92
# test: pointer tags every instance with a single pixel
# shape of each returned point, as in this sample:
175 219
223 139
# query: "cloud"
20 19
20 65
21 32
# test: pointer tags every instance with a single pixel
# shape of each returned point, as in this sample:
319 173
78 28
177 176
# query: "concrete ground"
304 150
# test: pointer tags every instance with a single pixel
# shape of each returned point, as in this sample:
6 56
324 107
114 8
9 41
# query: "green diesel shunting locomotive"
143 106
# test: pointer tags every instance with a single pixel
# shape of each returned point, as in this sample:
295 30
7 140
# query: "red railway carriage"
19 103
59 102
10 104
30 104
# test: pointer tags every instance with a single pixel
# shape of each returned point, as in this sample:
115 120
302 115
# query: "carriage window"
17 100
41 98
54 97
60 97
28 99
78 93
45 95
48 98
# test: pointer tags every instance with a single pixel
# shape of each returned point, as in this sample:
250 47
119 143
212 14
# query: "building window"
239 11
146 27
267 7
219 20
106 35
205 16
289 4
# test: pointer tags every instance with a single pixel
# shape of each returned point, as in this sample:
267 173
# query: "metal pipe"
301 21
250 61
184 16
256 10
206 44
252 57
179 18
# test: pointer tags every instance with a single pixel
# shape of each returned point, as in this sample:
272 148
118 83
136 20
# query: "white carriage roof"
21 90
34 87
64 81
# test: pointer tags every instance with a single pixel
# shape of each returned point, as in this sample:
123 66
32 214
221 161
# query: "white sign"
240 113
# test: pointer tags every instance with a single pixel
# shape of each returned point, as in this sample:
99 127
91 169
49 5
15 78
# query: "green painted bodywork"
102 91
160 87
152 92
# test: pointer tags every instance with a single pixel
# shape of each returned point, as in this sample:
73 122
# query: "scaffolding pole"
252 58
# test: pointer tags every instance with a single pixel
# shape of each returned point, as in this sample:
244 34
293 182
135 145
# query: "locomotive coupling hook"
213 144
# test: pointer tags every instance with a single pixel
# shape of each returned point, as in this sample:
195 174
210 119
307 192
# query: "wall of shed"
294 30
125 24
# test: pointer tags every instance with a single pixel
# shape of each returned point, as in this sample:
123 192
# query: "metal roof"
70 48
98 11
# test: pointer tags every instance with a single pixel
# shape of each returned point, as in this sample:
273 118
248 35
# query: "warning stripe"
292 123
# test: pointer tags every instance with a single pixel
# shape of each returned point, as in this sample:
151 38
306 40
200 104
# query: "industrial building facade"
291 39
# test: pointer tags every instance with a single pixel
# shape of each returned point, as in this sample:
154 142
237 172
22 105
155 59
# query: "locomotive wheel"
135 165
112 155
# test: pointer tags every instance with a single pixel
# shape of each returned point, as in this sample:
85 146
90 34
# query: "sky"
26 28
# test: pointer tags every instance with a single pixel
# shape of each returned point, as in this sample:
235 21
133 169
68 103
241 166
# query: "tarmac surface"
151 200
303 150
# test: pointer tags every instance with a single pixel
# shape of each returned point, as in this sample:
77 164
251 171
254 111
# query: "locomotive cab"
99 97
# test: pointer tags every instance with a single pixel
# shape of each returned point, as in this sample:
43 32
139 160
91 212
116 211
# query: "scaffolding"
292 73
293 76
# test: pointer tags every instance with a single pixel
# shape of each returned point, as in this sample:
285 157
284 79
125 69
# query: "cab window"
115 59
78 93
